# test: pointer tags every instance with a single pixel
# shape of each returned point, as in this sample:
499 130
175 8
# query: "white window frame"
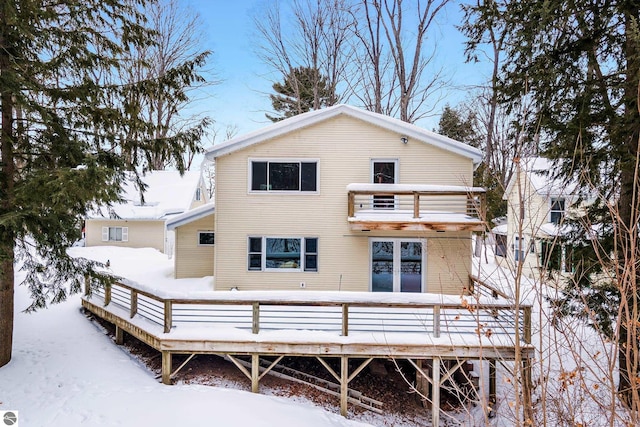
302 268
282 160
396 168
520 245
376 202
397 241
200 232
106 233
198 196
562 212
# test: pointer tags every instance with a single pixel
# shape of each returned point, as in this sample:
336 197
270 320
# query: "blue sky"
241 99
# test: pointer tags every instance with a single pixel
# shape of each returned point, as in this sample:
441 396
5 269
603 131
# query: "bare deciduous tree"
395 59
315 37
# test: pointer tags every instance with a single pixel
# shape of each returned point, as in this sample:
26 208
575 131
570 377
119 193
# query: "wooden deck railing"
344 317
416 200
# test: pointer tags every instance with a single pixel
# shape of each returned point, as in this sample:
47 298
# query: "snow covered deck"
318 324
315 323
415 207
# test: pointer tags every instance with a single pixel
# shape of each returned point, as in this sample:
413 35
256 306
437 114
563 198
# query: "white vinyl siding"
344 147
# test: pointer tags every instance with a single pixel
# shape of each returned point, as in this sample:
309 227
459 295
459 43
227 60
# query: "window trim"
106 233
200 232
396 168
562 212
268 160
302 267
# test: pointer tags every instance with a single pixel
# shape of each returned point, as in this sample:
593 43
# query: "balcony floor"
399 219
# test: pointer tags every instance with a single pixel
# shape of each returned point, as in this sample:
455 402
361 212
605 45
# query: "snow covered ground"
66 372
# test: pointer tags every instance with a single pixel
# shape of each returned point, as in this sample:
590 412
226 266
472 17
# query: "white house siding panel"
193 260
536 211
344 148
142 234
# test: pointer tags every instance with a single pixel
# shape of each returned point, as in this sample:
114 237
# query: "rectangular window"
519 248
557 211
206 238
283 253
115 234
198 194
384 172
284 176
255 254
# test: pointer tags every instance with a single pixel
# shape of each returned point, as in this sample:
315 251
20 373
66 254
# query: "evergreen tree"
304 89
464 129
69 138
580 63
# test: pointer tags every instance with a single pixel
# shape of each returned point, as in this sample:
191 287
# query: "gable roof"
167 194
538 171
312 117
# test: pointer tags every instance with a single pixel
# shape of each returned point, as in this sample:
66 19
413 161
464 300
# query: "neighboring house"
536 207
137 224
194 242
347 200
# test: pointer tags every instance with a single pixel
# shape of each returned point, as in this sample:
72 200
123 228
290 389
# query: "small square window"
206 238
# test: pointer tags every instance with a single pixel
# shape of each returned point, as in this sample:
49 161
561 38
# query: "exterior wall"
203 196
536 209
191 259
344 148
142 234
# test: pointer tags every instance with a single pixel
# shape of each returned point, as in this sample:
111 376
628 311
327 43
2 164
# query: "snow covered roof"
312 117
167 194
190 216
538 170
500 229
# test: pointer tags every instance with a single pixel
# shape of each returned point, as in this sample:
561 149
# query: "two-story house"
344 199
537 205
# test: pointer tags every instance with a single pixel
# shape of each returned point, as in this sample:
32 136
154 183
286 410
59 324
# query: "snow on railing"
343 317
417 200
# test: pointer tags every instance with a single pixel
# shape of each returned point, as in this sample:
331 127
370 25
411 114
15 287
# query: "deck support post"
344 384
119 335
492 387
255 373
435 392
166 367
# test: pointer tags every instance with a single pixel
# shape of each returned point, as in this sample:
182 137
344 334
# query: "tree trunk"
7 202
628 353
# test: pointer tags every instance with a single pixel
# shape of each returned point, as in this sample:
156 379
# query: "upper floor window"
284 175
198 196
557 210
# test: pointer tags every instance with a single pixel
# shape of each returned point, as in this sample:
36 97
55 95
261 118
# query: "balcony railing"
416 207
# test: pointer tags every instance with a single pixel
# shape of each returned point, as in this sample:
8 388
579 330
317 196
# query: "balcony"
392 207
